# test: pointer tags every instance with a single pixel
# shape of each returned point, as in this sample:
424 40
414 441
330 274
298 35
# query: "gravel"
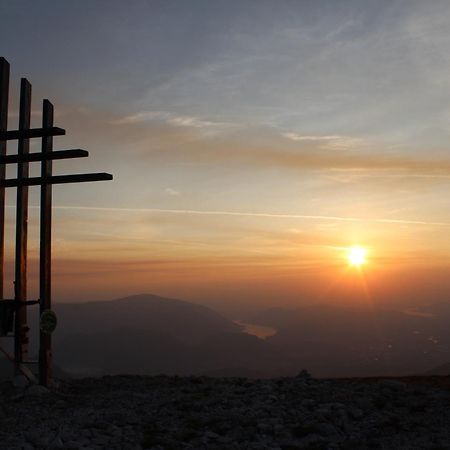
169 413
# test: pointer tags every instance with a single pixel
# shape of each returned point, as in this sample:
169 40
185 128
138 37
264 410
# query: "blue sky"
348 66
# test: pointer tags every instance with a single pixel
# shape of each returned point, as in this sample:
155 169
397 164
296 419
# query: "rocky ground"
132 412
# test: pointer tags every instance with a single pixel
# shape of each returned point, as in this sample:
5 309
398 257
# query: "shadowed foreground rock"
131 412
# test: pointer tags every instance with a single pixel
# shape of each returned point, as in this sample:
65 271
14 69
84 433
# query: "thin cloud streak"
162 136
248 214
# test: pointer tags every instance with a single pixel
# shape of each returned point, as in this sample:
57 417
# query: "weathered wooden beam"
31 133
57 179
45 249
38 156
14 303
4 94
20 325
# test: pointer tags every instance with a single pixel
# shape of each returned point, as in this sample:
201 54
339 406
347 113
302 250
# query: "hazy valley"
149 335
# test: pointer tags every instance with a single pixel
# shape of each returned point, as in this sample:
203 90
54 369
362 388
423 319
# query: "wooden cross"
23 157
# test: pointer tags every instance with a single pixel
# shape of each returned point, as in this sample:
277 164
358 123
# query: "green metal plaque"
48 321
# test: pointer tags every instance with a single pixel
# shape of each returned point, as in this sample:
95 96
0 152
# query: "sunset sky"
251 144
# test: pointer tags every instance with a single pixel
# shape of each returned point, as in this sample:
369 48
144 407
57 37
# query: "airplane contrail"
252 214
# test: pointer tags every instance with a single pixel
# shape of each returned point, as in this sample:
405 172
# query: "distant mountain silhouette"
358 341
184 320
147 334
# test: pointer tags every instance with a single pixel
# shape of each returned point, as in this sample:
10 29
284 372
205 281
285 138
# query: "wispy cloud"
170 191
305 137
162 136
140 117
332 141
256 214
171 119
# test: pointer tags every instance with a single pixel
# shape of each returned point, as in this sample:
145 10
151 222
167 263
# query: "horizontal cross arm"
56 179
17 304
31 133
57 154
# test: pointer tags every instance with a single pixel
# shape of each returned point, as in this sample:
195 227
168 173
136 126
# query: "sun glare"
356 256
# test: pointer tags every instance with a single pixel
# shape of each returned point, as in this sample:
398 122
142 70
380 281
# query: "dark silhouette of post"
20 284
45 261
4 94
17 307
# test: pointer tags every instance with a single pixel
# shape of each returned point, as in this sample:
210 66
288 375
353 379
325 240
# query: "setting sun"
356 256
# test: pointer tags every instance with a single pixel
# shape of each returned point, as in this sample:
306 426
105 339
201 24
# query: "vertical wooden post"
45 342
4 93
21 328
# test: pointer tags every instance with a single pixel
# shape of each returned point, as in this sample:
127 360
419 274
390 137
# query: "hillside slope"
150 335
